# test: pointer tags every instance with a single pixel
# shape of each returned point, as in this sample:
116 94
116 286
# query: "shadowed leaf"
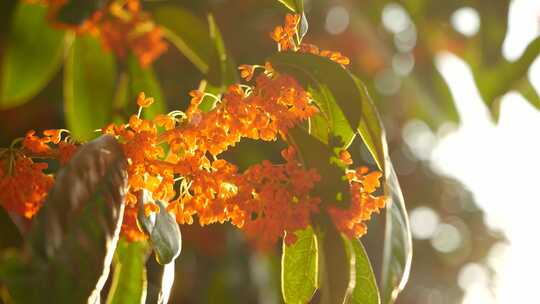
337 279
74 235
332 189
162 230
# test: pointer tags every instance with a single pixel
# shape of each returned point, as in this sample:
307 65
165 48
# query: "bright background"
467 153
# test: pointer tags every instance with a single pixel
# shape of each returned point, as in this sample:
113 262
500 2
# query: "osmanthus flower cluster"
23 182
177 157
121 25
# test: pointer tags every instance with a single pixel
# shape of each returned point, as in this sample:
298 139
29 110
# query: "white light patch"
337 20
523 27
424 222
446 239
466 21
500 164
394 17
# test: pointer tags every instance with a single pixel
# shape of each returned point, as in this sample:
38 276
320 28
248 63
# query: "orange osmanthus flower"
351 221
121 27
23 184
287 39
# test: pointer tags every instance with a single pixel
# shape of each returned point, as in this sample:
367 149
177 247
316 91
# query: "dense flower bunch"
363 203
196 182
121 25
23 182
128 27
177 156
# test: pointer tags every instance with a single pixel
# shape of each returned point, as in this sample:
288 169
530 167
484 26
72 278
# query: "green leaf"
145 80
32 56
336 259
365 288
202 44
312 153
162 229
296 6
299 268
129 278
188 33
89 87
225 67
333 87
73 237
77 12
397 254
370 129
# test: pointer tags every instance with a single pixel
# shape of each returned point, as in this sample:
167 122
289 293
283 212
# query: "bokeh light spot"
466 21
424 222
337 20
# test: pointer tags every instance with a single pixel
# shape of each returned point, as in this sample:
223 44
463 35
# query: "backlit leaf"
32 56
299 268
89 87
333 87
145 80
129 278
365 288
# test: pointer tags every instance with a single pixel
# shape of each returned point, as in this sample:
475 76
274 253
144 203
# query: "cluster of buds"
288 39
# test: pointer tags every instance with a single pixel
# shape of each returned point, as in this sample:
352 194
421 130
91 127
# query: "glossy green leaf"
398 242
365 288
144 80
397 254
299 268
32 56
129 278
162 229
332 189
89 87
336 90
